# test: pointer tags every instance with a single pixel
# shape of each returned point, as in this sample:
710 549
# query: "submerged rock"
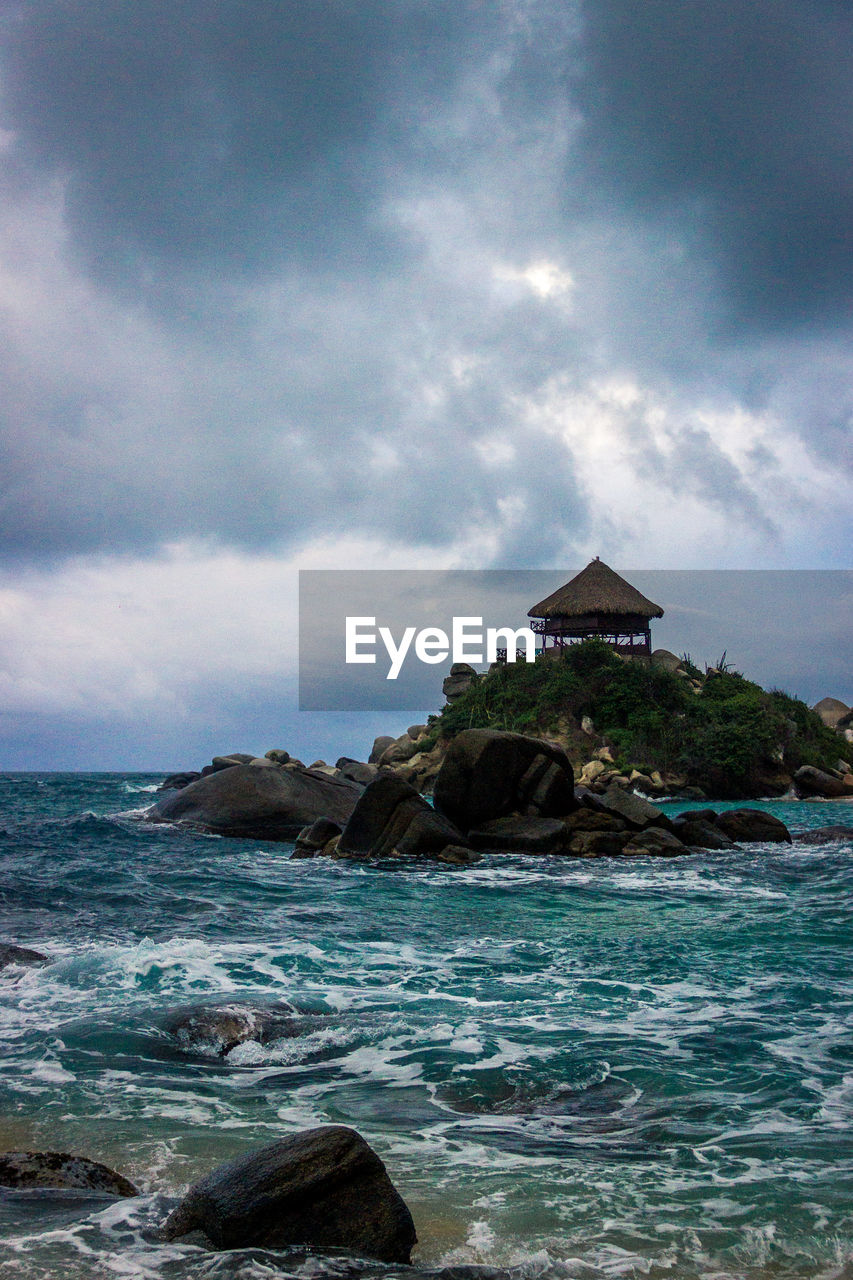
41 1169
823 835
176 781
258 804
391 820
21 957
488 774
324 1188
218 1029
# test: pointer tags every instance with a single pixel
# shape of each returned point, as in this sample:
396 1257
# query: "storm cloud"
453 283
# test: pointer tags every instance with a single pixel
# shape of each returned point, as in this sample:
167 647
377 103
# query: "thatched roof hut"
597 602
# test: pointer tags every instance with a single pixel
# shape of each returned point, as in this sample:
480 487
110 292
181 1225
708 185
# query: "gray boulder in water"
217 1029
258 804
746 826
26 1170
324 1188
489 774
391 820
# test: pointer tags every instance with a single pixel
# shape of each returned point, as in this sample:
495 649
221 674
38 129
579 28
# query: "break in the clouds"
465 283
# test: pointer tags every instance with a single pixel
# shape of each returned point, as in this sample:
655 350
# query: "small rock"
831 710
597 844
592 769
587 727
700 833
324 1189
380 746
663 658
175 781
458 856
654 841
416 731
461 677
638 813
278 756
42 1169
355 771
313 838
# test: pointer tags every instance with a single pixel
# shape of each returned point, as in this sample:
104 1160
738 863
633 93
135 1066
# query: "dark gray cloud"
229 133
271 270
735 121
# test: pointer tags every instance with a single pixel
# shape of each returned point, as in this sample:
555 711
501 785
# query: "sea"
571 1069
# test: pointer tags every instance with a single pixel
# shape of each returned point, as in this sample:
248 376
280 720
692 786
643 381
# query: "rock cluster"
493 791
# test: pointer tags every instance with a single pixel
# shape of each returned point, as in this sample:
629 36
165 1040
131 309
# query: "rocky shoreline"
492 792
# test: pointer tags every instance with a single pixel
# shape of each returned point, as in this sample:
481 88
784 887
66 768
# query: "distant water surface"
632 1068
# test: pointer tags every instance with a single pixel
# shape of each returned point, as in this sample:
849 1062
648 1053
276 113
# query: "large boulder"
323 1189
21 957
809 781
831 710
26 1170
258 804
391 820
488 774
752 825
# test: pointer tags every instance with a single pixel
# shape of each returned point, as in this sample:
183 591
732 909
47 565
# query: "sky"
396 284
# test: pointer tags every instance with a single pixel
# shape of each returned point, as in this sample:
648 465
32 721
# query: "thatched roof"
596 589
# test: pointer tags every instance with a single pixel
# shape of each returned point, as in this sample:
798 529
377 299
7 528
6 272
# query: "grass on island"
717 729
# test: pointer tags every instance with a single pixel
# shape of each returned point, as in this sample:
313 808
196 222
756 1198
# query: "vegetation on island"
713 729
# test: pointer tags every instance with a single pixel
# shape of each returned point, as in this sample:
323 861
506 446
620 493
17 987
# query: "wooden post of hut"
597 602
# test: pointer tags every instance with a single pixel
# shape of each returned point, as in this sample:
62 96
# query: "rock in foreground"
324 1188
488 774
26 1170
258 804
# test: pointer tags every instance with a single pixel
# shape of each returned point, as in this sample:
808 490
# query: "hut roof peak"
597 589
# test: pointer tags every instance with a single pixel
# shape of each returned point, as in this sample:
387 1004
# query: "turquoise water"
571 1068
